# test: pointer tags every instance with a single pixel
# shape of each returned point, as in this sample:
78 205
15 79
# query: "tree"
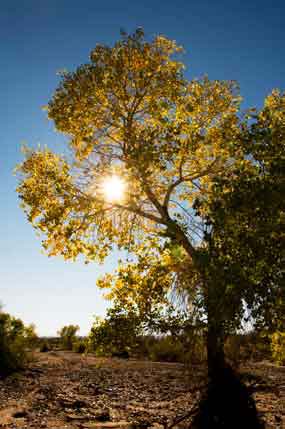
15 339
147 147
247 215
68 336
117 334
131 114
162 290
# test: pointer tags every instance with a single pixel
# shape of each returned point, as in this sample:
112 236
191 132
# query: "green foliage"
117 334
129 112
246 214
68 336
44 347
278 347
173 349
15 340
203 206
253 346
79 346
195 348
166 349
233 349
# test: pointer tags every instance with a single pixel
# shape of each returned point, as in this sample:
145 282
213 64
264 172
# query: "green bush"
44 347
15 340
79 346
165 349
260 345
233 349
116 335
68 336
278 347
194 347
186 348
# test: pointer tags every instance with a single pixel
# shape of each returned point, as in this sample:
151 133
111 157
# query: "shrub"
188 348
44 347
116 335
278 347
15 339
260 344
79 346
194 347
165 349
233 349
68 336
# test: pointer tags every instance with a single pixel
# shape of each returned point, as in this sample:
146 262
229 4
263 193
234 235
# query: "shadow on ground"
227 404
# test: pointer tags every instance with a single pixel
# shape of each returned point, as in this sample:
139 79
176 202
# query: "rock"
102 415
124 354
18 414
156 426
79 403
7 415
5 418
76 417
108 425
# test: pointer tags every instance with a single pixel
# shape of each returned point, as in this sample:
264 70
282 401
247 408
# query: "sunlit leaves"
195 177
130 113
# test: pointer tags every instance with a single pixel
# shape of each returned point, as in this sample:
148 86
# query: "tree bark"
215 334
212 294
215 349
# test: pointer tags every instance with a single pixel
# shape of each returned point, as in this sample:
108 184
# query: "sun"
113 188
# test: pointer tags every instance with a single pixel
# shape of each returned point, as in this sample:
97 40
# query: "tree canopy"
130 112
15 339
247 215
117 334
68 336
185 164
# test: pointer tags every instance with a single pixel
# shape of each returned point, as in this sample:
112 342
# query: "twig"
184 417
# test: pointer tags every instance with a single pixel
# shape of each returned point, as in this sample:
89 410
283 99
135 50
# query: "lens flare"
113 188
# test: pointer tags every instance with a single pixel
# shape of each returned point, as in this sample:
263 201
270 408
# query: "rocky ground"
67 390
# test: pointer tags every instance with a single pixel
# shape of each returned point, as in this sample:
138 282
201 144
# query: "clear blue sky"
225 39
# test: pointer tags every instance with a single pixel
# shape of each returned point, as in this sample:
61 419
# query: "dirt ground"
67 390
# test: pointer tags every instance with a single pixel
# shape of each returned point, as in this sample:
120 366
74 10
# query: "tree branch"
138 211
170 190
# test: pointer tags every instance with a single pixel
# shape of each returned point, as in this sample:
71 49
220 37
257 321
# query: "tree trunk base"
227 404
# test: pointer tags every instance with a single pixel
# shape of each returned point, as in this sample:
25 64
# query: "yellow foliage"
278 347
130 112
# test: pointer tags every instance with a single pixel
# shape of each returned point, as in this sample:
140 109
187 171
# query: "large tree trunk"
215 333
226 403
215 348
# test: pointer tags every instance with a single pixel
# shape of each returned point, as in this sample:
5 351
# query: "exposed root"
227 404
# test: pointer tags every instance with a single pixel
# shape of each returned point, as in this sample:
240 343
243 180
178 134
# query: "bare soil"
67 390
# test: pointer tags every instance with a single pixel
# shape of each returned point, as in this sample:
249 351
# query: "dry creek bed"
66 390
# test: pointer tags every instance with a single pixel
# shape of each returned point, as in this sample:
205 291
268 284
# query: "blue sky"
242 40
